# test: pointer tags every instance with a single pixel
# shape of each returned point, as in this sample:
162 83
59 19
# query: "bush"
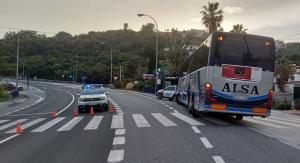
139 86
3 95
283 106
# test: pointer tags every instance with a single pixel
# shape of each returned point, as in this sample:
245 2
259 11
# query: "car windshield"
93 92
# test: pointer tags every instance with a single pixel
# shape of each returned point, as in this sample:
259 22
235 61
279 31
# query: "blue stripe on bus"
255 98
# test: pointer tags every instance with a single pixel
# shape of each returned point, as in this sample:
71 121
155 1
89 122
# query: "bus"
230 73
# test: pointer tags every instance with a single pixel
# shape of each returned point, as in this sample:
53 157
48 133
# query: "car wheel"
239 117
192 109
159 96
171 98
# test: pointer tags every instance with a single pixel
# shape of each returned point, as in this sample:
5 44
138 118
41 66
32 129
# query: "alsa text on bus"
245 88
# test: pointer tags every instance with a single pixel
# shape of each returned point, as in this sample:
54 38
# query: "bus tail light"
270 98
208 90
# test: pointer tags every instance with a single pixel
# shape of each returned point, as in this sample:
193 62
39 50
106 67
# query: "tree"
212 16
125 26
238 28
282 71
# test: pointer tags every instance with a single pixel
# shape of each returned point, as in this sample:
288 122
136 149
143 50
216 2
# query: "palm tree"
212 16
283 72
238 28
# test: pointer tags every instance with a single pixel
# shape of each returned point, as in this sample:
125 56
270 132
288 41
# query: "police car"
168 92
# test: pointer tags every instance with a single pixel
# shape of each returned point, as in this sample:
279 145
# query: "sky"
274 18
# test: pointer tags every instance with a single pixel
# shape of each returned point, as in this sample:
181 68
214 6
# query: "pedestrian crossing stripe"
140 121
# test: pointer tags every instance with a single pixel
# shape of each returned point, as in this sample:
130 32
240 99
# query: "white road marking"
3 121
187 119
287 120
49 124
218 159
196 130
163 120
71 124
7 139
206 143
27 125
120 131
140 121
216 121
281 122
119 140
15 115
264 123
12 124
73 98
94 123
117 122
115 156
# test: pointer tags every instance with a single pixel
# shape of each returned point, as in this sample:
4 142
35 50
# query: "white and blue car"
168 92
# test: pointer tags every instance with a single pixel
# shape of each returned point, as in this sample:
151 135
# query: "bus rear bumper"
235 110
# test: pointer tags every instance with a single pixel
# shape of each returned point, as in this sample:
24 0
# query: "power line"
21 29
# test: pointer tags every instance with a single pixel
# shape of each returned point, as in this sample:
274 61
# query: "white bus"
230 73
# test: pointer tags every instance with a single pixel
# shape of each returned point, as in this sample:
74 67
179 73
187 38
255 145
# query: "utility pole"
17 68
111 65
76 68
120 74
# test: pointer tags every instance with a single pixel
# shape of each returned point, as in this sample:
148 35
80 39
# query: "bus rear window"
245 50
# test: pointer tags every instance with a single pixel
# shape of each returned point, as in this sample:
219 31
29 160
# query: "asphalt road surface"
142 129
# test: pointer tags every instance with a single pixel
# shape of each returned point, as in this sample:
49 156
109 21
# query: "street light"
156 47
102 43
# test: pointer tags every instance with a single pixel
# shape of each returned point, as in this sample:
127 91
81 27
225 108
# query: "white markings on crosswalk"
31 123
218 159
206 143
49 124
196 130
115 156
140 121
163 120
264 123
72 123
3 121
12 124
281 122
187 119
117 122
119 140
94 123
120 131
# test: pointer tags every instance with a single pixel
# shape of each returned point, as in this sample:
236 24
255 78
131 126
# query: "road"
142 129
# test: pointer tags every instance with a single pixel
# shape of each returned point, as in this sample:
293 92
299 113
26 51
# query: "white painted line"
119 140
12 124
7 139
73 98
117 122
49 124
216 121
163 120
3 121
115 156
196 130
27 125
281 122
16 115
206 142
175 111
140 121
71 124
120 113
187 119
218 159
94 123
264 123
120 131
287 120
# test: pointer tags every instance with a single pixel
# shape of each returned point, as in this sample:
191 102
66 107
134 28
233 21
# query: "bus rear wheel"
239 117
177 100
192 109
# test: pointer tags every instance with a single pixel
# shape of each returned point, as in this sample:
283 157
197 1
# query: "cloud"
232 10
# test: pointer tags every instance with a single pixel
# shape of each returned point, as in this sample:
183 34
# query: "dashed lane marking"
119 140
70 124
206 143
31 123
163 120
49 124
140 120
116 156
120 131
187 119
12 123
196 130
218 159
94 123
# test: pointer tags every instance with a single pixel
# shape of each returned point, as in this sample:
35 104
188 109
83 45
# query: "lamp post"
156 47
17 68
